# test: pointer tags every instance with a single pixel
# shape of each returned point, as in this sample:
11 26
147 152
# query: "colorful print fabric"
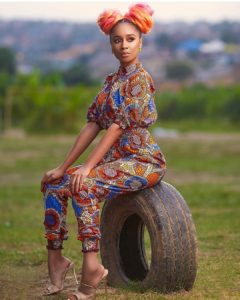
134 161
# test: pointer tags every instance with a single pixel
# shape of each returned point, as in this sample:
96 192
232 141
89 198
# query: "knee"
56 185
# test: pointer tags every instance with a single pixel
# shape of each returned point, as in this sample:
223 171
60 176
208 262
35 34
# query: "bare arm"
85 137
111 135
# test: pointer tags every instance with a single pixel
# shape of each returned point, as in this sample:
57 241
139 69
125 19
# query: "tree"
7 61
7 74
79 73
179 70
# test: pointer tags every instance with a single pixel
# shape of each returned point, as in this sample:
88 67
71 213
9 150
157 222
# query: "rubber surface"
169 222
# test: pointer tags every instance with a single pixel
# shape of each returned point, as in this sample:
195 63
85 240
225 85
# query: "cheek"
136 46
115 47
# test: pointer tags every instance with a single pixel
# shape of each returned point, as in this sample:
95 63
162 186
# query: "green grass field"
204 167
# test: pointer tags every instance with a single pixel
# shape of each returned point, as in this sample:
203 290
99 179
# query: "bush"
200 102
179 70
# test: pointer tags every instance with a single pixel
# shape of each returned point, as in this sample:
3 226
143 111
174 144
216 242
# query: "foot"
92 279
89 283
56 271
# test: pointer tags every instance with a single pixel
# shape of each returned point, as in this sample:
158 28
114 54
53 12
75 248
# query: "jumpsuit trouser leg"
105 181
86 208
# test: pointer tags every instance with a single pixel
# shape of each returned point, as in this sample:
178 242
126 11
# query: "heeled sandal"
78 295
52 289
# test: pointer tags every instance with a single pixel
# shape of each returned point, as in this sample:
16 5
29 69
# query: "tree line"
48 103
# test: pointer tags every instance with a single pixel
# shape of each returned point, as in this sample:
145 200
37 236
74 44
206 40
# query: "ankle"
55 263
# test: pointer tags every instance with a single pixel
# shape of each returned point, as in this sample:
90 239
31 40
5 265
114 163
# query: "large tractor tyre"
169 222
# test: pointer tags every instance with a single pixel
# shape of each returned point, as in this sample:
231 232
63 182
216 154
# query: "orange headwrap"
139 14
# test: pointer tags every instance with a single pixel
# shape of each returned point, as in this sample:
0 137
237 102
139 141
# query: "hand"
77 178
50 176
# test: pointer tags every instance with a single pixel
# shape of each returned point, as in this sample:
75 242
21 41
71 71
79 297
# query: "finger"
50 177
81 182
43 188
42 183
73 179
77 182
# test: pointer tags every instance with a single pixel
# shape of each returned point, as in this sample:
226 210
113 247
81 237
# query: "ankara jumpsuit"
133 162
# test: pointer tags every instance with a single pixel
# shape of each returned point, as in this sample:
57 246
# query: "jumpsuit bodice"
127 99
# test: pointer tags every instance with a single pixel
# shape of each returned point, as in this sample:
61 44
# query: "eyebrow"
130 34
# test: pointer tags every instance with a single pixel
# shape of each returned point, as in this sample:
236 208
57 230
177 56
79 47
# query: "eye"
116 41
131 39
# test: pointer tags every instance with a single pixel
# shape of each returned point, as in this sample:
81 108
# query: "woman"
125 159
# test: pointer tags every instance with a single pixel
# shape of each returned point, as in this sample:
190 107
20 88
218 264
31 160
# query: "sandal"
52 289
78 295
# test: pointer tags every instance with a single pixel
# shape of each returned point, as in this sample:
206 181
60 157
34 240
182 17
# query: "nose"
124 44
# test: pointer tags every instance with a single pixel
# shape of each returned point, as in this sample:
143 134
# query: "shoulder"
143 80
109 77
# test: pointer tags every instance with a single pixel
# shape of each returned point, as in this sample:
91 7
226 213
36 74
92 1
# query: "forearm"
111 135
85 137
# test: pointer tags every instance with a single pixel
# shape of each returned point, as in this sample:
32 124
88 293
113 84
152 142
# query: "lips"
125 54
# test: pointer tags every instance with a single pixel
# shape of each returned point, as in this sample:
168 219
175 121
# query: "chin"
126 60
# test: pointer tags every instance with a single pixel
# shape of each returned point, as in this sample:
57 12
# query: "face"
125 42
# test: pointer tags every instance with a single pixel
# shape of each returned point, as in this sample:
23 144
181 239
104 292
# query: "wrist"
62 168
87 167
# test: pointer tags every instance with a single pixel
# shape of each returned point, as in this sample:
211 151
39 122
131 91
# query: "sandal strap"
52 289
80 295
88 285
104 274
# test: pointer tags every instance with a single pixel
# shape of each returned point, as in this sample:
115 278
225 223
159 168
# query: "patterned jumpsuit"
133 162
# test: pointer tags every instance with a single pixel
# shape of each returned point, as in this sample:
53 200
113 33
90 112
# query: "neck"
125 64
129 68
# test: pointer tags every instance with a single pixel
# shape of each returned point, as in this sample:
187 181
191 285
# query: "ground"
204 167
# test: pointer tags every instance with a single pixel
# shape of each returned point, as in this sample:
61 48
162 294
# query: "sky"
88 11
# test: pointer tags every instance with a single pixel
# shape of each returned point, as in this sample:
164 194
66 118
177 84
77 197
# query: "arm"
85 137
111 135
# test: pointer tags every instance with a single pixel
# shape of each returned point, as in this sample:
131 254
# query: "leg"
57 265
105 181
55 202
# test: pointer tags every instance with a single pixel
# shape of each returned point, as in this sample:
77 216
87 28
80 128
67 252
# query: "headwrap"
139 14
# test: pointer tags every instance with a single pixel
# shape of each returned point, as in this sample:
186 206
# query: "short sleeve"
134 102
93 111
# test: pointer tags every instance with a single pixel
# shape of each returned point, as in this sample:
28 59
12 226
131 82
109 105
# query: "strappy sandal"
52 289
78 295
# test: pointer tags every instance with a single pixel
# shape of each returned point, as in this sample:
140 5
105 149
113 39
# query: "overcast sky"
82 11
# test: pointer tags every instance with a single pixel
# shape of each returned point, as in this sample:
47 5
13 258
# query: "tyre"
164 213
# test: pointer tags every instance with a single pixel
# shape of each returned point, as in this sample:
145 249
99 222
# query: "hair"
140 15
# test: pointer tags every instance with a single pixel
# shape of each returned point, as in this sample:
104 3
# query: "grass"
203 167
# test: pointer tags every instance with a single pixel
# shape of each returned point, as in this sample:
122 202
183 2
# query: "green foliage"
232 107
179 70
4 82
79 72
7 61
200 102
51 109
45 104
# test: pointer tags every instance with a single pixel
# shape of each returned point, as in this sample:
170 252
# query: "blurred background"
53 61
